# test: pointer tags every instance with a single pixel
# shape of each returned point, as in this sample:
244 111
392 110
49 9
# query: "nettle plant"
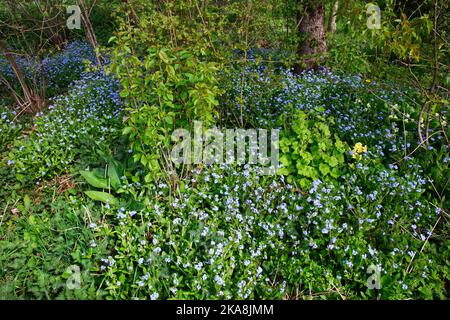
309 151
165 89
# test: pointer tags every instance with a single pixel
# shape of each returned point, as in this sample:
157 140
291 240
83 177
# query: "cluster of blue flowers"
88 116
229 232
226 233
63 68
57 70
356 109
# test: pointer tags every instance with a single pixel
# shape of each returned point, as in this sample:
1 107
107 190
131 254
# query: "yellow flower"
368 80
358 150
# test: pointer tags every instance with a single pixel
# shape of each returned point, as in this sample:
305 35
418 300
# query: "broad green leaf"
94 179
113 175
283 171
335 173
102 196
126 130
169 120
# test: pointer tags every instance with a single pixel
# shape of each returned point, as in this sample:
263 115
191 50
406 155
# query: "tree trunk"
332 19
311 26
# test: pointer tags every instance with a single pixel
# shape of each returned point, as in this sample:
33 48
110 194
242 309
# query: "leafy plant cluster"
9 127
309 151
357 109
226 231
88 187
76 124
230 233
47 250
165 90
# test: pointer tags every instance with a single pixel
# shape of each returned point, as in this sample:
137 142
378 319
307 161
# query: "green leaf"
163 56
94 179
127 130
335 173
333 162
324 169
113 175
102 196
284 171
154 165
169 120
284 159
144 160
306 156
27 202
148 178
